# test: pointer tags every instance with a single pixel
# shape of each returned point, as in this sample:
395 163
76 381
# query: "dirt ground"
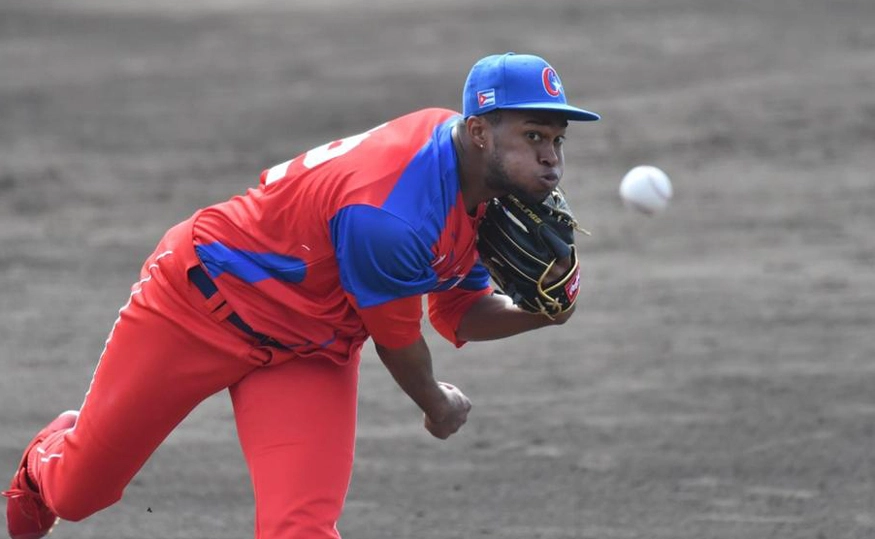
717 379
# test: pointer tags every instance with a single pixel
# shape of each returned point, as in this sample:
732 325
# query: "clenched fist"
452 416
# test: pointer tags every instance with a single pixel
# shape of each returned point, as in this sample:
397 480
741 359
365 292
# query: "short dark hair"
493 116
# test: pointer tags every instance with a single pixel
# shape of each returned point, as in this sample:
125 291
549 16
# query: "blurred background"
716 380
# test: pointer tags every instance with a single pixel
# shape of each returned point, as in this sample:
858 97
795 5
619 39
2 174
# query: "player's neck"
469 162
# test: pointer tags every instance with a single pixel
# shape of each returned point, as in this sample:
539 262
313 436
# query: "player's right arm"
445 407
385 269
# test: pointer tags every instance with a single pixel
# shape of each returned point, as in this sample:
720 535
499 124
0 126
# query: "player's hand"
453 414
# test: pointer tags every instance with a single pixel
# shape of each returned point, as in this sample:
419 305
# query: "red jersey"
343 241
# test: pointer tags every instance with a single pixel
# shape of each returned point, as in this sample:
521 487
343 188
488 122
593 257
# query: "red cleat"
27 516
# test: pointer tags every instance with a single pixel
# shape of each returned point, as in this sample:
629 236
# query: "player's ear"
478 129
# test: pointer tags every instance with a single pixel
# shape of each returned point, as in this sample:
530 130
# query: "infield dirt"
717 379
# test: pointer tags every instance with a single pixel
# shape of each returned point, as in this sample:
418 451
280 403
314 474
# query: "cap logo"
486 98
551 81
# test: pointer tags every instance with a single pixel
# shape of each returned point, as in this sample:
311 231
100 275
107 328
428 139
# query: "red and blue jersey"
343 241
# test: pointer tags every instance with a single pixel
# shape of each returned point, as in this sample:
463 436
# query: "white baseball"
646 189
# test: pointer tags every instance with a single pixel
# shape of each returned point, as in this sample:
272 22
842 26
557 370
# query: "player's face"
526 158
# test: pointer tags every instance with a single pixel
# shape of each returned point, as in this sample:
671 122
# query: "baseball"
646 189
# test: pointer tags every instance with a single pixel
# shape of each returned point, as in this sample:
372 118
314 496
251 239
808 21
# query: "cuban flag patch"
486 97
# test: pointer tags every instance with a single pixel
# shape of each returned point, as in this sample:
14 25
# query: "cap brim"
572 113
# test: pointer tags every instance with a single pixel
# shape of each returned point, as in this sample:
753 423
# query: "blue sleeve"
380 257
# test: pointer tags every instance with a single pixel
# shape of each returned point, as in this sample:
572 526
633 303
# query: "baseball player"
272 294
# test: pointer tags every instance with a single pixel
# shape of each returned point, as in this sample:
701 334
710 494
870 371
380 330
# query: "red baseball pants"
166 353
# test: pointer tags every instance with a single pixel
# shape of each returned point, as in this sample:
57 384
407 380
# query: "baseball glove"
519 244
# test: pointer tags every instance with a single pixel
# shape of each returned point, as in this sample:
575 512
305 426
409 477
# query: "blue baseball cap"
517 81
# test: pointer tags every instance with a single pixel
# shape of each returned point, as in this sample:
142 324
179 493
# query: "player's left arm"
488 316
496 317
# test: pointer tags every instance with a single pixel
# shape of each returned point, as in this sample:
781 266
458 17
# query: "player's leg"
296 423
163 356
27 517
